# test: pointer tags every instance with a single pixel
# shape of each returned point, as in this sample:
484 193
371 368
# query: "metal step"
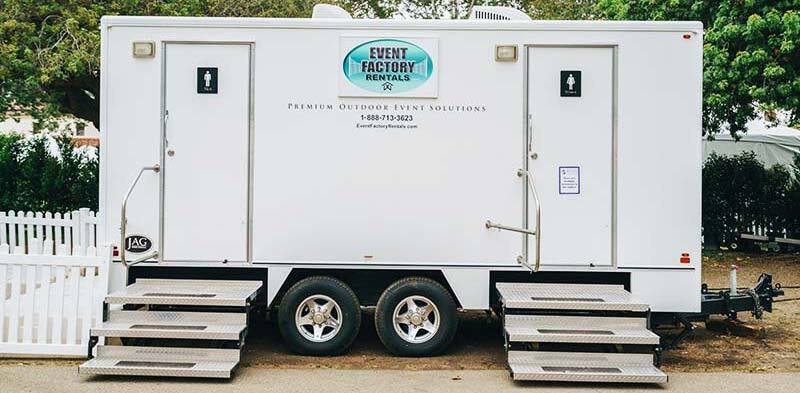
584 367
586 330
162 362
222 293
168 324
571 297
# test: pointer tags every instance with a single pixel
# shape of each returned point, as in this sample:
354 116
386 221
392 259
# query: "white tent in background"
772 145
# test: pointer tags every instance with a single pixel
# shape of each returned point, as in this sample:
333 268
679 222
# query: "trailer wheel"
416 316
319 316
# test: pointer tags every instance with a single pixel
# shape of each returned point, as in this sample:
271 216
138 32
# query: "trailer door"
571 135
206 152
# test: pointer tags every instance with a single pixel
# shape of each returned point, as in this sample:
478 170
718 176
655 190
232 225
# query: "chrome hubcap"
416 319
318 318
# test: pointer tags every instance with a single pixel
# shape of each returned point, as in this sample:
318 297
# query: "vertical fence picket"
13 320
74 296
39 229
47 230
44 310
58 314
30 303
3 289
58 234
86 304
83 235
12 232
28 231
92 230
68 232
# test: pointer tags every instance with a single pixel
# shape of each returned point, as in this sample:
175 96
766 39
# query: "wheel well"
367 284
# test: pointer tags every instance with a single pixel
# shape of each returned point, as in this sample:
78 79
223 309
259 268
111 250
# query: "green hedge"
738 192
47 172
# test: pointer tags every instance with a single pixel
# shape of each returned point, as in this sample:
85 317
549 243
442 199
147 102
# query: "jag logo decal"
137 244
388 66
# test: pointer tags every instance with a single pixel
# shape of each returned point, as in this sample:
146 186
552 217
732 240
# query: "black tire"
350 318
398 292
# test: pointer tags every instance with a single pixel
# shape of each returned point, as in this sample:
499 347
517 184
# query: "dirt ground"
768 345
775 342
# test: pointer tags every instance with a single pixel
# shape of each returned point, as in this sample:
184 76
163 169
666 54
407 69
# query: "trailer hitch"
731 301
728 302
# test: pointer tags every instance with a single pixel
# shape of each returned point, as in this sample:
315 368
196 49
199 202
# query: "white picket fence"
53 279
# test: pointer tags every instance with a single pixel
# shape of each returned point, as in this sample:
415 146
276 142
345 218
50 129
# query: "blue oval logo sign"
387 66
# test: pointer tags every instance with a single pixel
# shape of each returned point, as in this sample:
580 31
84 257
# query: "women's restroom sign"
570 83
569 180
207 81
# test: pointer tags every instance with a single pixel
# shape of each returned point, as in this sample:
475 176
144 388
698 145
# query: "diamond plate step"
585 330
222 293
584 367
168 324
571 297
162 362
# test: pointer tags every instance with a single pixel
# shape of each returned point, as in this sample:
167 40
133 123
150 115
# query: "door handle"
170 152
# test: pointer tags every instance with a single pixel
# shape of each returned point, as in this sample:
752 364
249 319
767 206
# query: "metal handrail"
538 231
124 218
495 225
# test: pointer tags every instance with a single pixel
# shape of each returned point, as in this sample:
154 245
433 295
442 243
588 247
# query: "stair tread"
630 374
122 366
224 293
589 330
162 361
584 367
573 297
169 330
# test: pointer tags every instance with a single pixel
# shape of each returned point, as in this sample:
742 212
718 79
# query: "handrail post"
531 184
123 216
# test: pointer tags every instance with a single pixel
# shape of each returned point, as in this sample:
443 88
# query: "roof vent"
327 11
497 13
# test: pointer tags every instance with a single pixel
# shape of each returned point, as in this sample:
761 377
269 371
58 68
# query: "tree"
50 49
751 55
460 9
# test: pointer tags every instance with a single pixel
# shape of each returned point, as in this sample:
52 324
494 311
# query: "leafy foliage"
792 211
751 54
46 173
738 192
50 50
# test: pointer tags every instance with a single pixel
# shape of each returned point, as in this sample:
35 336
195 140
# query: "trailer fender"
276 276
471 286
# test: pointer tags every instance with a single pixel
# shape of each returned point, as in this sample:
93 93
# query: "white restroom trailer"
378 157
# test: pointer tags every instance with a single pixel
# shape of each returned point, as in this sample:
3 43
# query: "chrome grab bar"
523 260
124 218
490 225
538 231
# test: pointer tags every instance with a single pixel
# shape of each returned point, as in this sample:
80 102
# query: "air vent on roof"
497 13
329 11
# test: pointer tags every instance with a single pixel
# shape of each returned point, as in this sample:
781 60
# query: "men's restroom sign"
207 80
570 83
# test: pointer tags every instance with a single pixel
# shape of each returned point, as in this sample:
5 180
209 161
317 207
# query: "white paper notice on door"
569 180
